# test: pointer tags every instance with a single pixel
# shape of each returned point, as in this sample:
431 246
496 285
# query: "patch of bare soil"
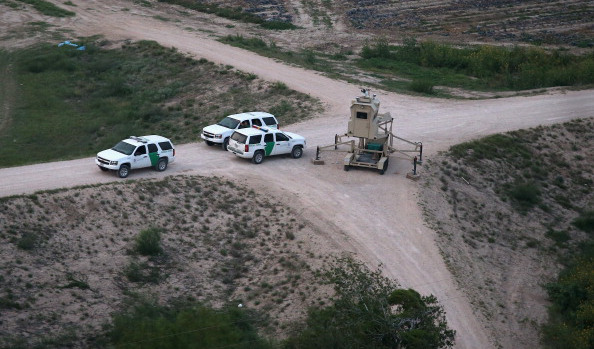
506 21
68 258
503 209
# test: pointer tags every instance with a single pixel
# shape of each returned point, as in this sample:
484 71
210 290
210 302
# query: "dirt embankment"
503 209
69 258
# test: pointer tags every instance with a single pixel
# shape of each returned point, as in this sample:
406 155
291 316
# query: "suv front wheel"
124 171
258 157
297 152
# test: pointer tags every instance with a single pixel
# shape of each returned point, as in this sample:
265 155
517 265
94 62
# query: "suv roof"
253 131
145 139
249 115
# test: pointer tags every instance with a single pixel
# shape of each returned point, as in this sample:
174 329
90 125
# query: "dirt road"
375 217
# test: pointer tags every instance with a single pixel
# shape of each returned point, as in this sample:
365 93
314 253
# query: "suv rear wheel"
162 165
124 171
258 157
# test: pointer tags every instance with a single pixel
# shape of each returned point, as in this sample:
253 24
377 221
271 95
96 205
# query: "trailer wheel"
383 170
346 167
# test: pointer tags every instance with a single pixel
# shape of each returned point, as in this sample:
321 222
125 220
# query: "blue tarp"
78 47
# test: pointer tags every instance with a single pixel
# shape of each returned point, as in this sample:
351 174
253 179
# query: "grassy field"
68 103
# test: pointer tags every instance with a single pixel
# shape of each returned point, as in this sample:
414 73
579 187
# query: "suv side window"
255 139
152 148
256 122
281 137
269 137
140 150
165 146
269 121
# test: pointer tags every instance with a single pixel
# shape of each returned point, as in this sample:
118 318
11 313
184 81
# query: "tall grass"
493 67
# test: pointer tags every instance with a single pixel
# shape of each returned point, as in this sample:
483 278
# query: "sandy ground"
375 217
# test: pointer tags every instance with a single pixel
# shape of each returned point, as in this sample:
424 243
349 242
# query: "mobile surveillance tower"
375 138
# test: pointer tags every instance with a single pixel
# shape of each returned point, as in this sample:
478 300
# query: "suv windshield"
229 123
124 148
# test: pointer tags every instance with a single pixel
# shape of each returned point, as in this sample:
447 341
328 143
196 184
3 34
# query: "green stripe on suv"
269 147
154 158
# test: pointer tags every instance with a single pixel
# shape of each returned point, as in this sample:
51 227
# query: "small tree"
148 242
370 311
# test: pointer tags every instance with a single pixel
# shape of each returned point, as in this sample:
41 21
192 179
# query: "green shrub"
183 325
27 241
240 41
142 273
74 282
422 86
363 314
585 222
148 242
560 237
571 315
526 195
380 49
278 25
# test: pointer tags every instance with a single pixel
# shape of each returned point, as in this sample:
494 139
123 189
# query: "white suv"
258 142
219 133
137 152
